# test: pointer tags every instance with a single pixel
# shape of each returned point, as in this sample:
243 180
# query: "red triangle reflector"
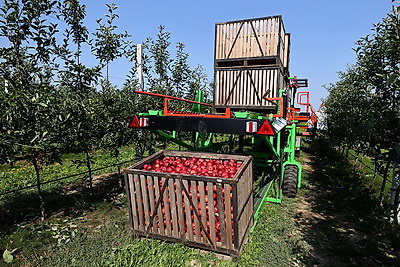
134 122
266 128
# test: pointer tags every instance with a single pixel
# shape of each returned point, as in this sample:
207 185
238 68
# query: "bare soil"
339 219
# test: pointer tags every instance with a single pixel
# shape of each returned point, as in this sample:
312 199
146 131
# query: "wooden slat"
181 216
139 165
211 214
146 208
135 216
197 236
227 195
217 41
161 229
241 44
152 202
166 210
203 211
287 51
221 215
187 212
139 202
206 155
172 197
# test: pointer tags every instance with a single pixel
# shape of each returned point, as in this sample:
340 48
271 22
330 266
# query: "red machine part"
168 112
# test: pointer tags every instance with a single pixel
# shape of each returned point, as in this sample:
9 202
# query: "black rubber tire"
290 180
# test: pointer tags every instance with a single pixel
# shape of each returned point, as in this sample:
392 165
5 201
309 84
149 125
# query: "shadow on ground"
338 216
73 199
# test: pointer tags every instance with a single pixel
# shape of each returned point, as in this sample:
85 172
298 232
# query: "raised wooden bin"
260 41
244 88
205 212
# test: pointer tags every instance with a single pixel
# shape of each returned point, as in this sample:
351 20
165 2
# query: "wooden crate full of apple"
201 199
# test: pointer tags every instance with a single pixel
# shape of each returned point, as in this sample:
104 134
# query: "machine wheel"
290 180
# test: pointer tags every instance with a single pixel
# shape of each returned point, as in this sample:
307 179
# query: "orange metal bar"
168 112
300 98
172 98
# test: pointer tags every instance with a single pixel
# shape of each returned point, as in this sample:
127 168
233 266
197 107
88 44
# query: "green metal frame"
275 153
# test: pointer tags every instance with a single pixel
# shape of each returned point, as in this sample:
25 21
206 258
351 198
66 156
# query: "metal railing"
118 165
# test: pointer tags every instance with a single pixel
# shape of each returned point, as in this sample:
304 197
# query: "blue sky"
323 32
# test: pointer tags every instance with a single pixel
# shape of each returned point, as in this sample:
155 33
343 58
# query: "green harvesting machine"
253 110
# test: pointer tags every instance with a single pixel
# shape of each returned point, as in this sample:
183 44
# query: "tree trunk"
376 165
395 191
39 189
120 179
89 167
385 175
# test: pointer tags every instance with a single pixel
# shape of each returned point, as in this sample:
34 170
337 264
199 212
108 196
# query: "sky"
323 32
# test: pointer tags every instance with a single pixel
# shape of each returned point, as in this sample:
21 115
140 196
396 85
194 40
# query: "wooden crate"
172 206
260 41
244 88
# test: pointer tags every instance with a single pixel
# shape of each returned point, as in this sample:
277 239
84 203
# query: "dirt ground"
339 219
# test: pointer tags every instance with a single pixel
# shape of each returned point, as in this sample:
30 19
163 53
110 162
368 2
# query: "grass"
334 221
367 168
23 174
96 233
24 205
101 238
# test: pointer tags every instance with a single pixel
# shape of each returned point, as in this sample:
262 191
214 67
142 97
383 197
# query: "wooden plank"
287 51
242 43
203 212
221 216
264 28
234 32
261 36
234 87
260 46
129 198
211 214
227 40
181 216
172 197
206 155
256 80
217 41
187 211
145 197
167 210
139 202
139 165
160 216
196 234
271 37
132 193
152 201
249 89
227 195
222 41
253 43
242 95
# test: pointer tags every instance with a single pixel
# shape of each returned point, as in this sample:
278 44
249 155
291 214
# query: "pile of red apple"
193 193
195 166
